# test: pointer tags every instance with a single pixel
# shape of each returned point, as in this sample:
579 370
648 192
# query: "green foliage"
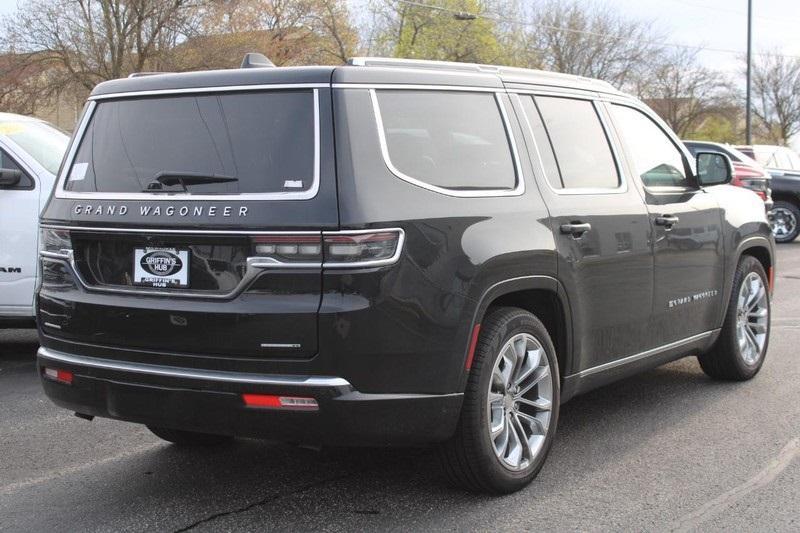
423 33
717 128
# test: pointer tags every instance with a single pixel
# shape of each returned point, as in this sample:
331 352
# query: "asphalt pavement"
668 450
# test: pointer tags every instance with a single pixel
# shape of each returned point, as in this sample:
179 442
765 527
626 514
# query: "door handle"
576 229
667 221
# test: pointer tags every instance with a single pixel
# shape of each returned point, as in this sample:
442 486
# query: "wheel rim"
782 221
752 318
519 402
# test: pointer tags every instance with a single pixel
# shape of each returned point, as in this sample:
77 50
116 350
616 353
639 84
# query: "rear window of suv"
452 140
225 143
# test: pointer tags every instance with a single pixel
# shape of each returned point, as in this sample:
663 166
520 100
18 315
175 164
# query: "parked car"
477 246
747 172
784 166
30 153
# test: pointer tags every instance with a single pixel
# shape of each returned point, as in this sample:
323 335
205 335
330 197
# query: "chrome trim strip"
623 186
51 325
189 373
418 87
105 229
645 354
311 192
255 264
219 89
483 193
280 345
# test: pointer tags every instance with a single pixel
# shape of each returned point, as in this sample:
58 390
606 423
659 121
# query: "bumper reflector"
62 376
270 401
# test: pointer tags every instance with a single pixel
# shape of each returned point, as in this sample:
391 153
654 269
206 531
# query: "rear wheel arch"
544 297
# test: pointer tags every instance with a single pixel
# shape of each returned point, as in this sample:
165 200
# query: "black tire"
189 438
725 360
790 211
468 458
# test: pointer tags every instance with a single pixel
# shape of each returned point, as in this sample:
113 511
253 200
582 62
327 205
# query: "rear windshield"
41 141
232 143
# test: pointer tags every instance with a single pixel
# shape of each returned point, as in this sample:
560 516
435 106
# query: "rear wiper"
169 178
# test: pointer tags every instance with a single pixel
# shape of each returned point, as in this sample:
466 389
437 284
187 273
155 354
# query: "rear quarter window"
450 140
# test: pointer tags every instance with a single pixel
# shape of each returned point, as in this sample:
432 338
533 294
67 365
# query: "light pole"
748 133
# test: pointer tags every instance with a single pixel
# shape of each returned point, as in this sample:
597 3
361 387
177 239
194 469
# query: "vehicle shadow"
283 487
18 344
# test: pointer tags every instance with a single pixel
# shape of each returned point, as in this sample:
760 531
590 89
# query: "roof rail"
420 63
143 74
256 60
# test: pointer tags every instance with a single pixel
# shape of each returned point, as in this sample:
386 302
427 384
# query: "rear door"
601 227
19 214
687 232
195 221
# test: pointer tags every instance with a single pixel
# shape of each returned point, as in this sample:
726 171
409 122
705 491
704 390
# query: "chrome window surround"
255 265
479 193
623 182
311 192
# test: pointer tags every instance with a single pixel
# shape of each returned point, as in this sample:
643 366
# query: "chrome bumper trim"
190 373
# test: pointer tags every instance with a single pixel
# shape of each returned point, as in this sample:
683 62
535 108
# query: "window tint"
25 182
654 158
542 141
579 142
258 142
454 140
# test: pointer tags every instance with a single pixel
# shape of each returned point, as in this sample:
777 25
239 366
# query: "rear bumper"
211 402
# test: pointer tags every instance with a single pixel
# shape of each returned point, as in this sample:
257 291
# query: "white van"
30 154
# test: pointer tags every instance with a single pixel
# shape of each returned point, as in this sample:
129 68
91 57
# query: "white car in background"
30 154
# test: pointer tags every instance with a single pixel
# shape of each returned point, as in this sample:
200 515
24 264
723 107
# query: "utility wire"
585 32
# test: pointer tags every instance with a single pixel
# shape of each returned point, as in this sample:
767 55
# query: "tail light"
55 250
288 248
751 178
330 249
368 248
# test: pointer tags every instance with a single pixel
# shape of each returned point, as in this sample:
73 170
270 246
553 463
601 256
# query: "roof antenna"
256 60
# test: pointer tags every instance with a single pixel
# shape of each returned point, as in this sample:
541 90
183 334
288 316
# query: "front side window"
579 142
452 140
226 143
655 159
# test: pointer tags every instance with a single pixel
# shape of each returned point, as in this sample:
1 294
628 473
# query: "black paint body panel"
399 334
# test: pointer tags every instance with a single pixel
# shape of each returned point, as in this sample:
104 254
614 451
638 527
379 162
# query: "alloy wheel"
782 221
752 318
519 402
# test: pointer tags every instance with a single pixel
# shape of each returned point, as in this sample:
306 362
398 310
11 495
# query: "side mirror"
713 168
9 177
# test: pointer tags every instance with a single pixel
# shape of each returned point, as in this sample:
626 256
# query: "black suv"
387 253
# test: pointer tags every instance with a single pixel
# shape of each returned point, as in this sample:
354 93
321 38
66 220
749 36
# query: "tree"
589 40
84 42
682 91
415 31
289 32
776 97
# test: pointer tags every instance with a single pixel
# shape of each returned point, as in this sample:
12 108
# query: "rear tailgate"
193 224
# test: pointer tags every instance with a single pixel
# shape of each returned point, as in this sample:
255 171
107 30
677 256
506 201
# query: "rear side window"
227 143
579 142
452 140
543 145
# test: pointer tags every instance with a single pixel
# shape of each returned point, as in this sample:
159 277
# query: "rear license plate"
161 267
